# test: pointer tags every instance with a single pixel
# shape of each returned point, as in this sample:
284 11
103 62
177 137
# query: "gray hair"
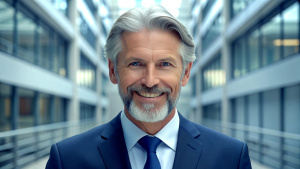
155 17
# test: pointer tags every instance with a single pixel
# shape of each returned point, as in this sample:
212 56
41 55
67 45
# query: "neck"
150 128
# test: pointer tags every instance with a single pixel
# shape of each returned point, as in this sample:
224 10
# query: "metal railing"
19 148
273 148
6 46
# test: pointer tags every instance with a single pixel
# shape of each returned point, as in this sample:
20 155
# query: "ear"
112 72
186 75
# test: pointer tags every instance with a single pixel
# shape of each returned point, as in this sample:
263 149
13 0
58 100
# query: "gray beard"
148 112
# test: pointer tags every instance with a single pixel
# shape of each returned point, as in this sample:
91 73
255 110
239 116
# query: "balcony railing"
20 147
273 148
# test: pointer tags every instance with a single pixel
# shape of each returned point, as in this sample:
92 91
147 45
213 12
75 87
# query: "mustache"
143 88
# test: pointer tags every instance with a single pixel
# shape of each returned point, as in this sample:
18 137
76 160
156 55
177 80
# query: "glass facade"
212 111
87 112
253 45
207 7
26 29
290 19
61 5
91 6
270 33
6 27
25 36
239 5
276 38
213 33
27 107
40 59
211 115
213 74
5 107
86 76
22 108
105 81
86 32
277 110
258 37
194 86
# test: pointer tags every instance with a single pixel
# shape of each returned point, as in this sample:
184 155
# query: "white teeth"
145 94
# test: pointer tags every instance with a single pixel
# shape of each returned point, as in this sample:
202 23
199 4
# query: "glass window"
212 111
212 115
62 57
86 76
270 35
5 107
92 7
271 108
6 27
239 58
213 32
44 47
240 110
104 85
292 109
271 120
253 120
59 110
104 115
194 86
213 74
253 109
86 31
290 41
44 109
253 43
240 116
291 120
61 5
207 7
26 36
55 56
238 6
276 38
26 115
87 112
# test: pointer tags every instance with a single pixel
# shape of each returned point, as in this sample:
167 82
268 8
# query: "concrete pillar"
226 64
73 64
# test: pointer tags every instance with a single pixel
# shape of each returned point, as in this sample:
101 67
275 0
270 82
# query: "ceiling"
181 9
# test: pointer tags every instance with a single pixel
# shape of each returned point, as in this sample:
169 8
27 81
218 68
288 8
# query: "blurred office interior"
245 82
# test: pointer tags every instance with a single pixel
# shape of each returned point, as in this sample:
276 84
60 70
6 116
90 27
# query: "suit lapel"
112 147
188 149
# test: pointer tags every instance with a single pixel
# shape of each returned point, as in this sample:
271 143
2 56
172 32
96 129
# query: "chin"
148 112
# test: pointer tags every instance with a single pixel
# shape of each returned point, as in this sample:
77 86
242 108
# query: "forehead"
152 39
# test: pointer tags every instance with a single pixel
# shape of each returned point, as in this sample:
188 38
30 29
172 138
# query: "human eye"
165 64
135 64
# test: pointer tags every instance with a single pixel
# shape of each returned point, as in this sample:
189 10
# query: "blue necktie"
150 144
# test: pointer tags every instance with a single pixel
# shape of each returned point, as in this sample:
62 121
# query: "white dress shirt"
166 149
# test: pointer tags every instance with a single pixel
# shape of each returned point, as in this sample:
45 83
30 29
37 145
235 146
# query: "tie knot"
149 143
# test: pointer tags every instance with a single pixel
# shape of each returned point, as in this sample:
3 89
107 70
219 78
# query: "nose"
150 77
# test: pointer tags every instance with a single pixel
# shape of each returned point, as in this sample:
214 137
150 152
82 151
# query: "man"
150 57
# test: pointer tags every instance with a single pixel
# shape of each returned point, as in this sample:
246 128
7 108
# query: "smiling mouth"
148 95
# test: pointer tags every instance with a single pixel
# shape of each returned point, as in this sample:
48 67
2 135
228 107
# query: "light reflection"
286 42
85 77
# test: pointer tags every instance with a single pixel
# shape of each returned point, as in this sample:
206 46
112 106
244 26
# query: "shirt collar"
168 134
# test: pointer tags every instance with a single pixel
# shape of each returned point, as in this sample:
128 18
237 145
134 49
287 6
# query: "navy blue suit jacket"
104 147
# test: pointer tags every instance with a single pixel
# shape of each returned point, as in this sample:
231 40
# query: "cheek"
127 79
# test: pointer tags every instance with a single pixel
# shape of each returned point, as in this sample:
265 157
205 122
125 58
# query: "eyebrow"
168 58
